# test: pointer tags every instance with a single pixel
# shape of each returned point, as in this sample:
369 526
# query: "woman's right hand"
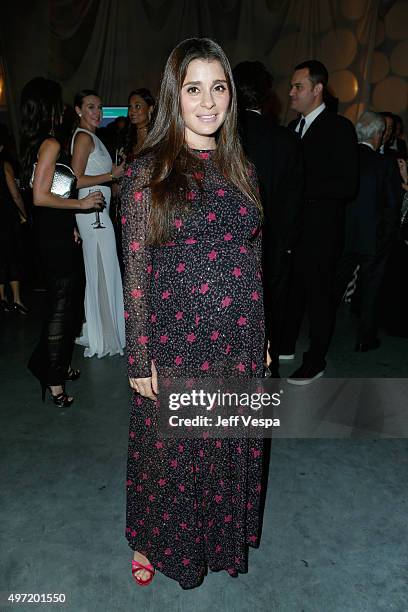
118 171
92 200
147 387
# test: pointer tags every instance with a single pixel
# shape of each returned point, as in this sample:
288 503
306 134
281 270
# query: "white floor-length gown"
103 333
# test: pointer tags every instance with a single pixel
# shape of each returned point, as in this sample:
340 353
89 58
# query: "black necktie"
301 126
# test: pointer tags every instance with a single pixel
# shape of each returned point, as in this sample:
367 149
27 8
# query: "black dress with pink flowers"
193 306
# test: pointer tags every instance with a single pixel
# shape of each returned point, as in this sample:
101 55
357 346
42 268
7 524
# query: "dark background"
118 45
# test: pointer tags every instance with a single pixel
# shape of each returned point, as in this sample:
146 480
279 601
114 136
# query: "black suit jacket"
330 157
394 195
402 148
372 215
276 154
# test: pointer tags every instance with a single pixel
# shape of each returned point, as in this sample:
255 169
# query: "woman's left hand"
147 386
77 236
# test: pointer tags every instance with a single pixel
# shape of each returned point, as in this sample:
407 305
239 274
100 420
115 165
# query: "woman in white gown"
103 333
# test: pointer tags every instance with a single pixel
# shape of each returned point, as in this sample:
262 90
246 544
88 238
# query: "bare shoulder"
49 149
83 140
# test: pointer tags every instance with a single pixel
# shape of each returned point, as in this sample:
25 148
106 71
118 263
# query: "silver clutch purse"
63 182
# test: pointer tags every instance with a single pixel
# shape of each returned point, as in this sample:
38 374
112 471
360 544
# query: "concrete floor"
335 527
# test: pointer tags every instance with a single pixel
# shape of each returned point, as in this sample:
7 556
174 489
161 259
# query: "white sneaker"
305 375
287 357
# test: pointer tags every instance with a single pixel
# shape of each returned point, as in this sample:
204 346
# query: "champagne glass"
97 224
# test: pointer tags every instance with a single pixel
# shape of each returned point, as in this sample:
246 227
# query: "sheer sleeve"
257 232
137 258
257 246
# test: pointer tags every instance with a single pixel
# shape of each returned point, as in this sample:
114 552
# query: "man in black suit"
330 156
371 224
276 154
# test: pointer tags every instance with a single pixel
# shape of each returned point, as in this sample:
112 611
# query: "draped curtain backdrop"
114 46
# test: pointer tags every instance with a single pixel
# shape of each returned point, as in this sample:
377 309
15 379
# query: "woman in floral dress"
193 307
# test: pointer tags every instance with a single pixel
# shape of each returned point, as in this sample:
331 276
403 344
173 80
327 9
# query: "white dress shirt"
310 118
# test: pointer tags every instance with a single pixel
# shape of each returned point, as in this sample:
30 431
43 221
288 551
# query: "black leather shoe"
363 347
305 375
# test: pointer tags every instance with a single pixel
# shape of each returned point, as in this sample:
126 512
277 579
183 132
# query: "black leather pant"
52 355
63 311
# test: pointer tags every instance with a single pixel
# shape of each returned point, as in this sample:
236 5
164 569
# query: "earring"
79 114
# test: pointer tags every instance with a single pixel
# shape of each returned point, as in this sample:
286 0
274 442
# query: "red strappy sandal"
137 566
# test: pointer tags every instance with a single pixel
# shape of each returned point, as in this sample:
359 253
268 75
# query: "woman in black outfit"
140 107
41 111
12 215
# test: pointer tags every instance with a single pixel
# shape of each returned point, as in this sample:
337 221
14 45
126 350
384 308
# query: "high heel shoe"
62 400
136 567
73 374
20 309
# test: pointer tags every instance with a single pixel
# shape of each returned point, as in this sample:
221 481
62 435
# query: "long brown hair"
41 111
175 164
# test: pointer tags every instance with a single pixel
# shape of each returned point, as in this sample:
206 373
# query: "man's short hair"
369 125
253 83
317 72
